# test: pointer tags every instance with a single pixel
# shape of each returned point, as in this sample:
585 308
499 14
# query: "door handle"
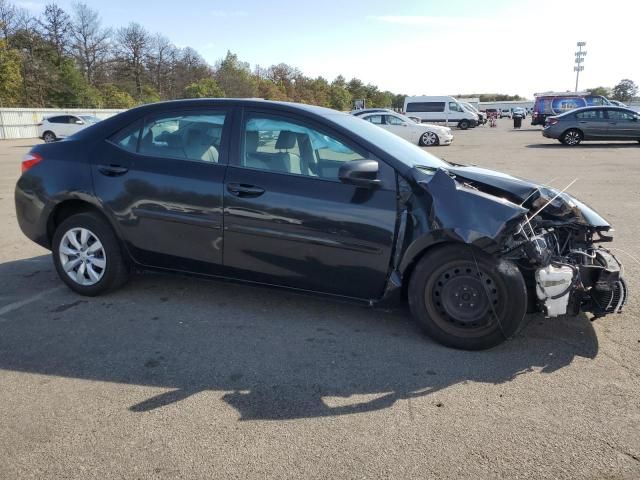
582 121
244 190
112 170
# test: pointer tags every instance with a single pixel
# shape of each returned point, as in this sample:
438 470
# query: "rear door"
161 179
623 125
290 221
593 123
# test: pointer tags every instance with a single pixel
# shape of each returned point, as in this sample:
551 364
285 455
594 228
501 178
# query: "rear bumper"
29 213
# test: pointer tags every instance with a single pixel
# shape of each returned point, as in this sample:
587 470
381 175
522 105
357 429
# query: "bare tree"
56 27
161 59
134 46
8 15
91 42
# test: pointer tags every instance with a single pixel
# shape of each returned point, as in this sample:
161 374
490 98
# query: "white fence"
23 122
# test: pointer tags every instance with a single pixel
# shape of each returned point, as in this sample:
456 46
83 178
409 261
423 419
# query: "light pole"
578 67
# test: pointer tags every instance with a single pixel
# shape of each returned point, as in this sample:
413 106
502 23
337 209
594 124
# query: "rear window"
425 107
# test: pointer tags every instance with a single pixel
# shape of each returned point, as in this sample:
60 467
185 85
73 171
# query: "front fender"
444 210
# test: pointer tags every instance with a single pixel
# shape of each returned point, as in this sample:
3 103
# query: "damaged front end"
554 239
557 247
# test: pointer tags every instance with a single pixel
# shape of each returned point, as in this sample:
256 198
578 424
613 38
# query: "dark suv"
314 200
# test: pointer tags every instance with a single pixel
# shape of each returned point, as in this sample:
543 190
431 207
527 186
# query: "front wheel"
463 125
464 298
49 137
572 137
87 255
429 139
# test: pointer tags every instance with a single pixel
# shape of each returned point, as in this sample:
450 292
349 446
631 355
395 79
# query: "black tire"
572 137
49 137
460 273
115 271
463 125
429 139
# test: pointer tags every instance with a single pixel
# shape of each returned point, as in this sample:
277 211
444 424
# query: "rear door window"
193 135
590 115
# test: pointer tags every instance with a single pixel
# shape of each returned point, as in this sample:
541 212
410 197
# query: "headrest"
174 141
251 141
286 140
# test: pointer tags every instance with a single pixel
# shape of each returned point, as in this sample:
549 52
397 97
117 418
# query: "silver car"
593 123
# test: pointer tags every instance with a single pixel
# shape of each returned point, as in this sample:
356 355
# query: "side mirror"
362 173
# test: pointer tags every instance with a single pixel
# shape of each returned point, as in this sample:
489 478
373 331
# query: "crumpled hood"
532 195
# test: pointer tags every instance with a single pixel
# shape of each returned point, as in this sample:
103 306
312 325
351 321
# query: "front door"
161 179
623 125
400 128
290 221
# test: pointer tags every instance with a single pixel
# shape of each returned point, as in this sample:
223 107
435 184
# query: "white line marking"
16 305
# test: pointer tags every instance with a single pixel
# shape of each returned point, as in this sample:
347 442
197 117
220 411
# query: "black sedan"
593 123
315 200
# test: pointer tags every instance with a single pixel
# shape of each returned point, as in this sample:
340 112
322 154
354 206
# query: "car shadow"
631 144
270 353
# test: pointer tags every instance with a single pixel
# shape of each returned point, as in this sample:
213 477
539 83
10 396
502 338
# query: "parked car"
492 112
549 104
421 134
440 110
521 112
333 205
593 123
505 112
62 126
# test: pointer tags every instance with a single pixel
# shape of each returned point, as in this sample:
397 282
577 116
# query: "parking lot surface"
179 377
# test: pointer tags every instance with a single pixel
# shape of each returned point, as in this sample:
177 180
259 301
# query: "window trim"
223 154
246 114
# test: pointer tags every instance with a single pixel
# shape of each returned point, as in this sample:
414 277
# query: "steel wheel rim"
478 320
429 138
82 256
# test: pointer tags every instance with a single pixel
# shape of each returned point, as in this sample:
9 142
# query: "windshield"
470 107
407 153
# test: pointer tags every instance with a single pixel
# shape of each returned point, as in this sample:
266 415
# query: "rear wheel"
49 137
429 139
87 255
464 298
463 125
572 137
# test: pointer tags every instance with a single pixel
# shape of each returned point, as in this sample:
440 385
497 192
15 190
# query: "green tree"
205 88
72 89
234 77
602 91
10 76
625 90
339 97
113 97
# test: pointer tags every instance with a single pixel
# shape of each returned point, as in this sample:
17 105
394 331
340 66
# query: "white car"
61 126
422 134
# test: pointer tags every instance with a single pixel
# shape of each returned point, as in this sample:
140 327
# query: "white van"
440 110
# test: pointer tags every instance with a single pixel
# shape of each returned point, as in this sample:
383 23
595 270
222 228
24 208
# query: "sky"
414 47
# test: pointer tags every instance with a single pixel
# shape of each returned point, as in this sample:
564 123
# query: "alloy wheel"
429 138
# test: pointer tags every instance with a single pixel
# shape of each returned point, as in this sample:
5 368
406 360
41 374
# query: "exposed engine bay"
570 272
555 240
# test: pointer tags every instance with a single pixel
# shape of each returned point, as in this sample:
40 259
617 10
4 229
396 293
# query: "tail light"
30 160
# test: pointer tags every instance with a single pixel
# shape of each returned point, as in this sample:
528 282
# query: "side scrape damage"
553 238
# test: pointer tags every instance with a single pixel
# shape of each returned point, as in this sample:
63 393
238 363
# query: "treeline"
70 59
